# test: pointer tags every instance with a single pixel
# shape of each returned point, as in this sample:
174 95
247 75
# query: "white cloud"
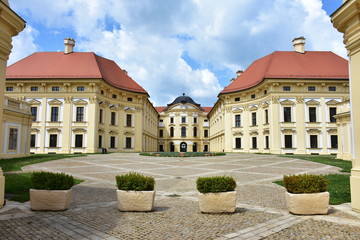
23 44
148 38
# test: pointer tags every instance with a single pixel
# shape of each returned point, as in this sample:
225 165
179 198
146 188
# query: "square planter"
52 200
308 203
135 201
222 202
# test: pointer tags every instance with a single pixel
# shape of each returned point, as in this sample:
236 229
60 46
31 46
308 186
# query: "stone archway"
183 147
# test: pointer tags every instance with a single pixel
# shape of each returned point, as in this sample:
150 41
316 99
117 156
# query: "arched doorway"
195 147
172 147
183 147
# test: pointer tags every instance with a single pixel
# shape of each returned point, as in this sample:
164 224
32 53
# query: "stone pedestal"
2 189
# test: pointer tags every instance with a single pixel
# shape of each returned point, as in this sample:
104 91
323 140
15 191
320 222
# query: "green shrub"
305 183
215 184
51 181
135 182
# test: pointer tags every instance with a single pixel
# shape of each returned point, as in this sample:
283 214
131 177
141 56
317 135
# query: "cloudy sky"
175 46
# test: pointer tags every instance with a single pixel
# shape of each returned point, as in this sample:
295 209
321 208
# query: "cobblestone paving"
261 211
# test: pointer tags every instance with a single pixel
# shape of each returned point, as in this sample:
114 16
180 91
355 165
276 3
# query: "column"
228 137
92 129
274 119
346 20
300 126
138 130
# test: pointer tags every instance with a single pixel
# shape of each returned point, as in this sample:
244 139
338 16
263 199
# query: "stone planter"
135 201
308 203
52 200
223 202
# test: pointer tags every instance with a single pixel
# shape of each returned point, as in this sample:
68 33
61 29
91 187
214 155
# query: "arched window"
171 132
183 131
195 131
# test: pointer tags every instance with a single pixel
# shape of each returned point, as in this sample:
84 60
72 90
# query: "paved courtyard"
261 210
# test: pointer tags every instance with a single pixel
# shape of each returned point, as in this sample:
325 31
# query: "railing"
16 105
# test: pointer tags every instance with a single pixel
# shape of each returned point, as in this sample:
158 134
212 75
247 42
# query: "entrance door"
172 147
183 147
195 147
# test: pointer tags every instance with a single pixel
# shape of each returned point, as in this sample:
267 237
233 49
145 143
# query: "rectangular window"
34 89
266 116
128 142
195 120
287 114
9 89
100 141
183 119
286 88
81 88
78 140
206 148
311 88
53 140
237 120
32 140
114 96
54 114
265 92
128 120
171 132
334 141
206 133
112 141
195 131
80 114
161 133
237 99
312 114
129 99
101 119
13 136
332 89
332 112
288 141
267 142
237 143
313 141
254 142
171 120
55 89
253 118
253 96
183 131
113 118
34 113
102 92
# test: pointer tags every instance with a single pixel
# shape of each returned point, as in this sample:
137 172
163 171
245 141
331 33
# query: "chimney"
69 45
231 80
299 44
239 72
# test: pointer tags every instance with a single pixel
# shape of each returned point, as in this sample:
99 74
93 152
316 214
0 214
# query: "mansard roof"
291 65
76 65
184 100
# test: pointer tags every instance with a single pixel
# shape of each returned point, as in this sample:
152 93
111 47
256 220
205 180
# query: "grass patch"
339 188
17 186
15 164
325 159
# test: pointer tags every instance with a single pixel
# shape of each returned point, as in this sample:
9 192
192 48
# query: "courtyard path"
261 209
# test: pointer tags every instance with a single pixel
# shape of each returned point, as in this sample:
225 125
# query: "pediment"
332 102
312 102
287 102
313 131
55 102
266 131
288 131
332 131
34 102
35 130
53 130
79 130
113 132
114 107
253 108
253 133
238 134
129 110
80 102
237 110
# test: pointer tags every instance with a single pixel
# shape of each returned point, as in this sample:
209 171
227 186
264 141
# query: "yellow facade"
183 127
257 122
91 115
343 122
346 20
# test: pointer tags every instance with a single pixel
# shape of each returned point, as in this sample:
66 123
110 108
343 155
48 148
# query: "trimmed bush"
215 184
51 181
305 183
135 182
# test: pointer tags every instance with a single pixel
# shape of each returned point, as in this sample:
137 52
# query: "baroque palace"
286 102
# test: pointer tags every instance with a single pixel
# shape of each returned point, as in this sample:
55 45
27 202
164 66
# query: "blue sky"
170 47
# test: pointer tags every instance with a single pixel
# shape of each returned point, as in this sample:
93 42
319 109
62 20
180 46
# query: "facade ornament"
246 108
275 100
228 109
323 84
300 100
138 109
344 99
22 98
66 84
20 84
68 99
93 99
288 131
300 84
43 85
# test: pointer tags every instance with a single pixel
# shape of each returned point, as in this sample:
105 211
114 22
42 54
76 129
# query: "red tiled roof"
207 109
76 65
291 65
160 109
